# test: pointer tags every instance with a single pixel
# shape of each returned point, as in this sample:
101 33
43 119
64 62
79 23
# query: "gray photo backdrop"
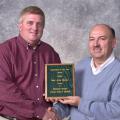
67 23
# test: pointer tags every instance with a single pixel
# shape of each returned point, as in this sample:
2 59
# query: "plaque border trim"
46 79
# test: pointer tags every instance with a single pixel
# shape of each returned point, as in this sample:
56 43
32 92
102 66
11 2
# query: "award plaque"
59 80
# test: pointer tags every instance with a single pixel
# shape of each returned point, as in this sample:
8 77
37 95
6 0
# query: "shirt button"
37 86
38 99
36 75
34 48
35 62
37 116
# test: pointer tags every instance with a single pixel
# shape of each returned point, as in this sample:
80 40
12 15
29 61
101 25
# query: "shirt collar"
102 66
33 47
27 45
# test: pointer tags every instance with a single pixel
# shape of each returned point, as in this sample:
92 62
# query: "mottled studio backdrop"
67 22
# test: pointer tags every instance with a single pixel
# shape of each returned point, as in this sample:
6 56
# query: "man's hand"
51 114
51 99
71 100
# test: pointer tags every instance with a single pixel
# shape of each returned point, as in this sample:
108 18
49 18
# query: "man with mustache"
97 82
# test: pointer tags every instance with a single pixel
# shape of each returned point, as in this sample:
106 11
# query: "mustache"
97 47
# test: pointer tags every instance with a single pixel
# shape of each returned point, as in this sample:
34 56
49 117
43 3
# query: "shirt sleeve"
12 100
104 110
62 110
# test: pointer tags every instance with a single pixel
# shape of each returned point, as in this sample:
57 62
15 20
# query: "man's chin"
33 41
98 56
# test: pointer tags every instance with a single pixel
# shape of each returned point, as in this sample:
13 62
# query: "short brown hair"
32 10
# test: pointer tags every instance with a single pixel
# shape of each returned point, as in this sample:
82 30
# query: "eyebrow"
94 37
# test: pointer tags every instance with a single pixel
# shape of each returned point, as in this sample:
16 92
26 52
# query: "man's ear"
114 42
19 26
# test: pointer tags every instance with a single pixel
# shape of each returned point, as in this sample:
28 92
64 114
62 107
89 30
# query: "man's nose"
96 43
35 26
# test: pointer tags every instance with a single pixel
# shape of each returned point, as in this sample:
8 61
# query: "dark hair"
112 31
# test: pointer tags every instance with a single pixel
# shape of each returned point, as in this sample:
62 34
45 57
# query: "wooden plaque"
59 80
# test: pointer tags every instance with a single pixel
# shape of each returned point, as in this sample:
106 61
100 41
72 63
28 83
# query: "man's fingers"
49 109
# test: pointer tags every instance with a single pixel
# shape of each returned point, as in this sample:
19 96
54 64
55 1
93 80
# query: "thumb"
49 109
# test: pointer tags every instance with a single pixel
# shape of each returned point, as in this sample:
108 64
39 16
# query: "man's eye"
39 24
30 23
91 39
103 38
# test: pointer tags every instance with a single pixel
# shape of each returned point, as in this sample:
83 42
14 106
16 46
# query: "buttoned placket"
35 66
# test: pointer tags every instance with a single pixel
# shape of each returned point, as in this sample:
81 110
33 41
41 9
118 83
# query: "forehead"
100 31
32 17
